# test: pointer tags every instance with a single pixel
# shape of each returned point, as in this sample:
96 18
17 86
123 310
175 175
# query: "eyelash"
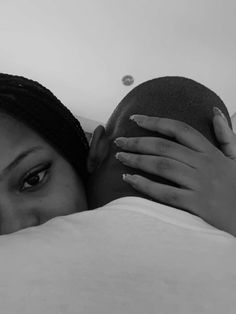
35 173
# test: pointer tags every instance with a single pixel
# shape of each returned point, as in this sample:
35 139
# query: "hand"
225 136
206 176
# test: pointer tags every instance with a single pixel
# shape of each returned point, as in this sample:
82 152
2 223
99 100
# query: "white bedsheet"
132 256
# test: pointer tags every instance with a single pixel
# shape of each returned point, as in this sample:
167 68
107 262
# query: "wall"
81 49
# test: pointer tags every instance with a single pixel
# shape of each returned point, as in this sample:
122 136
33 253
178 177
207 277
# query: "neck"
96 200
106 184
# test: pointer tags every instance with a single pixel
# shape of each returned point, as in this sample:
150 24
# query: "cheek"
64 199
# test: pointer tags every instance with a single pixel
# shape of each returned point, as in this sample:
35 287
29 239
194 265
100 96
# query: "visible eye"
35 178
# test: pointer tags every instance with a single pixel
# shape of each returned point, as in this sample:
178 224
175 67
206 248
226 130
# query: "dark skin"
38 186
206 175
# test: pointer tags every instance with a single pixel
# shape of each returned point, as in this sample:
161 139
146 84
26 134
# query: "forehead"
14 133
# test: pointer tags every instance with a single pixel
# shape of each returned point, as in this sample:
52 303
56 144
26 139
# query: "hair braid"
33 104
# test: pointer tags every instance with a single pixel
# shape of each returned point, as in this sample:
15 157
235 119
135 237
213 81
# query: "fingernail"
218 112
120 156
138 118
120 141
126 176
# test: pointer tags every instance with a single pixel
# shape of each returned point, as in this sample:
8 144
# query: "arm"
206 175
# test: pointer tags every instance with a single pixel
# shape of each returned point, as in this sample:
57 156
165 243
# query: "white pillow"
130 256
42 268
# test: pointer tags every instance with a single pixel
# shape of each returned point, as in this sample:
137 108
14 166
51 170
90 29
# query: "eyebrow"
19 158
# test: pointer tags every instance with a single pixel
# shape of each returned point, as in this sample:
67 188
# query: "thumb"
225 136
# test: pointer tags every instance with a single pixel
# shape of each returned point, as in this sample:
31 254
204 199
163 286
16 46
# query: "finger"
221 127
225 136
180 131
170 169
159 147
165 194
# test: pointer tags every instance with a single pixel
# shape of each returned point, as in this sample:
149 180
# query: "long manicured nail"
121 156
218 112
120 141
138 118
130 179
126 176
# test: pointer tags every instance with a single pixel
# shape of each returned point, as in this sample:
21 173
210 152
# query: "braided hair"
37 107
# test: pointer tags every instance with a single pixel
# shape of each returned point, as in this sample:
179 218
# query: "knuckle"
162 165
162 146
134 142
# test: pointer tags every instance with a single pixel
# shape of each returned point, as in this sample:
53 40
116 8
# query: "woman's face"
36 182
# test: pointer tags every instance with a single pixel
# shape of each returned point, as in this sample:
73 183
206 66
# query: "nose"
9 224
12 218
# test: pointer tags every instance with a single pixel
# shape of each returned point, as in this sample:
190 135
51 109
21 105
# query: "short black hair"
172 97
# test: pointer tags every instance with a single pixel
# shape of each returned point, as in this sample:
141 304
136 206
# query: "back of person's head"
175 98
37 107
